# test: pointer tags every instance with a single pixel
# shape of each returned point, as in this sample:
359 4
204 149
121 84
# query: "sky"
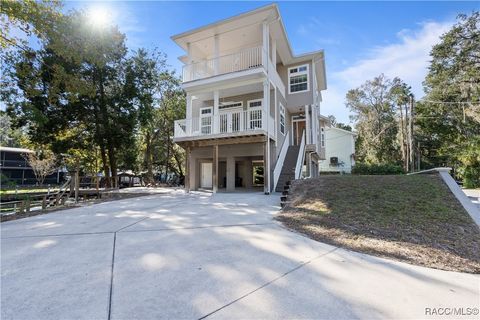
361 39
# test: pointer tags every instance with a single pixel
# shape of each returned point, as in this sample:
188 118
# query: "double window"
282 119
298 79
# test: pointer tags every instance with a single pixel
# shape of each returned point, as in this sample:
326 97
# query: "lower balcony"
224 124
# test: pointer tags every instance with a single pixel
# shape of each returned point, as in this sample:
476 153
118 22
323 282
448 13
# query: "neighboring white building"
253 107
339 151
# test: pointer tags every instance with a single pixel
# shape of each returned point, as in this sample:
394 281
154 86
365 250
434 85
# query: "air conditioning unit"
334 161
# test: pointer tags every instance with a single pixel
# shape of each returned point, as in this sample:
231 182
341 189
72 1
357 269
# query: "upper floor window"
322 137
282 119
298 79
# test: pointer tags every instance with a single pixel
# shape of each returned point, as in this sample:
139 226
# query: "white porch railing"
238 61
281 160
223 123
300 158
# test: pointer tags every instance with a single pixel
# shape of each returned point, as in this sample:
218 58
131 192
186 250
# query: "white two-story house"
253 107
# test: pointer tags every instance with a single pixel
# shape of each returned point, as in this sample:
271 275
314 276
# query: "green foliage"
28 16
376 169
336 124
83 97
377 108
449 119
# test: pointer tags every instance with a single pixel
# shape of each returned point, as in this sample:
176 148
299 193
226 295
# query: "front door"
206 175
298 129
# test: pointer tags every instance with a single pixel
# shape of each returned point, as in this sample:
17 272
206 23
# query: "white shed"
339 151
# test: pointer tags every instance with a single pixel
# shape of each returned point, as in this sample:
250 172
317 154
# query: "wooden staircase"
288 170
284 197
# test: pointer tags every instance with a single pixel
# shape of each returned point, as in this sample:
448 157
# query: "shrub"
376 169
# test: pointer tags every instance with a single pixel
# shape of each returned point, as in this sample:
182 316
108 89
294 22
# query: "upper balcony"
253 59
245 59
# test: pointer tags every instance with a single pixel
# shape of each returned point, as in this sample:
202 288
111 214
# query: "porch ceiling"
234 90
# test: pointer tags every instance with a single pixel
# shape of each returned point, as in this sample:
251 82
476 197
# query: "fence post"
22 207
57 199
27 205
44 203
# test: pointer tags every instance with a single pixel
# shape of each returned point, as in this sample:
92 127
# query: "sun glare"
99 16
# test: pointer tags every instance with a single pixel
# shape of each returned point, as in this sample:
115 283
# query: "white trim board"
461 197
456 190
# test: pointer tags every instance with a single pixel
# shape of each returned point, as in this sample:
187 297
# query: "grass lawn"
413 219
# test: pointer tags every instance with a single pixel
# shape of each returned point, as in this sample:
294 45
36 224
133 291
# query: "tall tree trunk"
113 165
179 163
403 139
106 168
149 158
106 130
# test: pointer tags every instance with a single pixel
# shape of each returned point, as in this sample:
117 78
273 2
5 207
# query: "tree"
42 163
76 83
10 136
402 99
374 115
449 117
334 123
31 17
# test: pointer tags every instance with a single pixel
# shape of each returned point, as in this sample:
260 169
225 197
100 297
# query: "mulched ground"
414 219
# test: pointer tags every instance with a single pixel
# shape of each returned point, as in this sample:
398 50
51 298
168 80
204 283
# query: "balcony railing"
243 60
223 123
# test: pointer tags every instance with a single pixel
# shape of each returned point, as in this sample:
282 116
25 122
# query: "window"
298 79
206 120
322 137
255 114
282 119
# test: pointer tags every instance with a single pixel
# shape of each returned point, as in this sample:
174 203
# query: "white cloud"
408 59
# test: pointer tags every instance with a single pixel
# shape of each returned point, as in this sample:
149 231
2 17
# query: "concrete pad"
347 285
63 277
191 255
102 217
204 210
188 273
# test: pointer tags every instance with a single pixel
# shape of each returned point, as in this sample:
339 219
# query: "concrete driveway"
190 256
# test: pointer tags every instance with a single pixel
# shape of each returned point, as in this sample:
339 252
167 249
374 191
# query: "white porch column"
274 53
266 167
188 112
266 104
188 69
314 124
215 169
265 44
216 116
230 173
216 53
275 102
308 124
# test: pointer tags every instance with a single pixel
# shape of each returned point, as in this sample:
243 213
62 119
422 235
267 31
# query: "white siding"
341 144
